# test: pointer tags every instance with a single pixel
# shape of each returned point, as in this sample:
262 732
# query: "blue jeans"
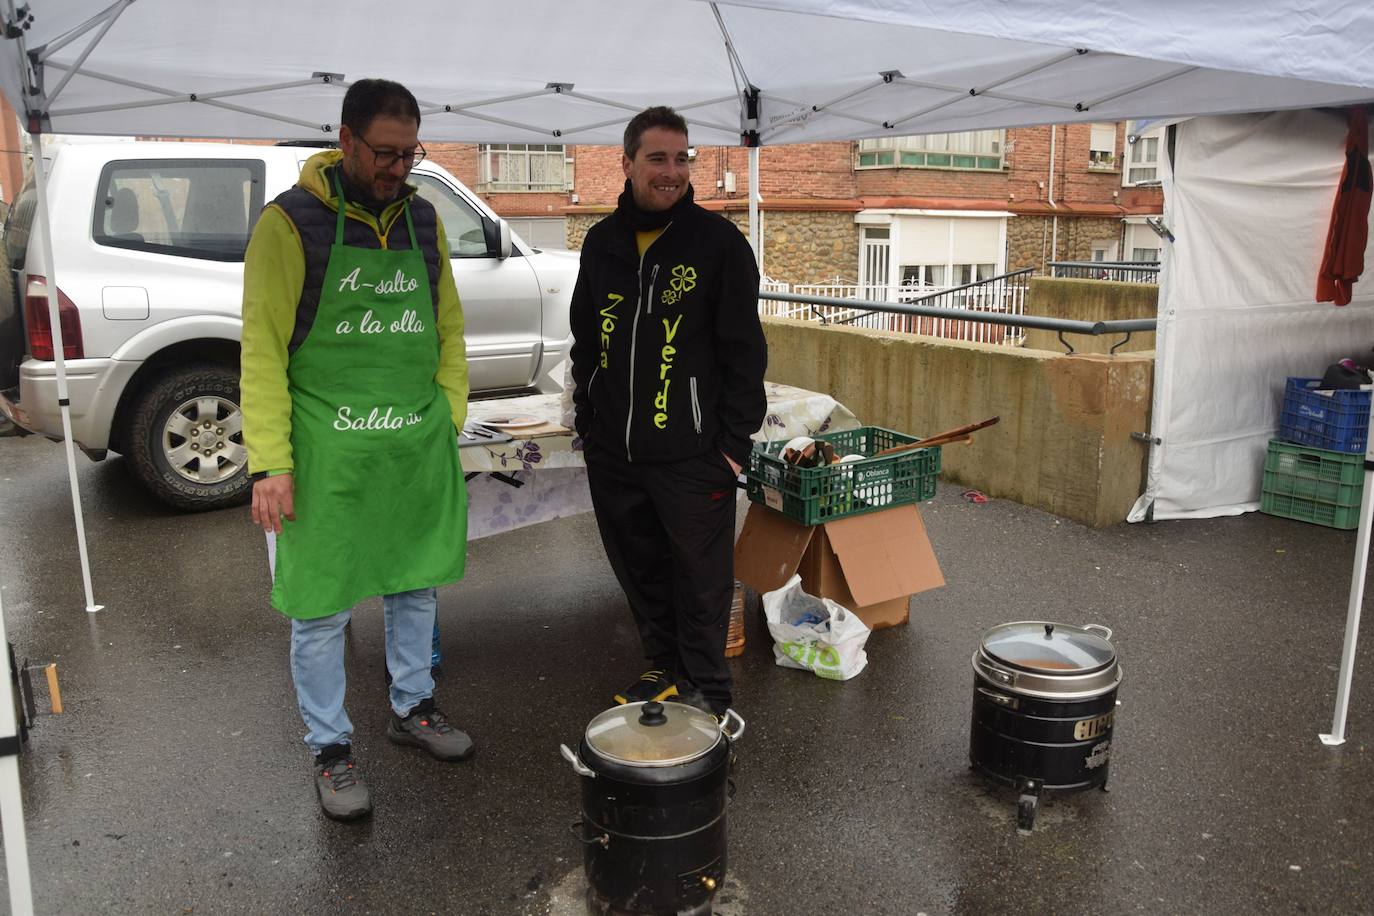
317 664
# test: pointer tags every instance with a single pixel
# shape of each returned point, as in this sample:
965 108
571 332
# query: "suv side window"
192 208
464 225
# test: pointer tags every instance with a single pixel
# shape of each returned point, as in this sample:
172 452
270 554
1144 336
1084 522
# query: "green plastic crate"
1309 510
1312 485
1313 473
815 495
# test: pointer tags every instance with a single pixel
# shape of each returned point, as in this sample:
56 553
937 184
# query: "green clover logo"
684 278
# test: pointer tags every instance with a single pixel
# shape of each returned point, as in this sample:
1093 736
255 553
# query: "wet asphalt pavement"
176 782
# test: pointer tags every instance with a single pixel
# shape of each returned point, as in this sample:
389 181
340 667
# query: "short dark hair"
657 116
371 98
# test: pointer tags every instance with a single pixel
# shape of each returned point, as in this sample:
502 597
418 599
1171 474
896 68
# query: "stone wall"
1031 240
809 246
800 246
1091 300
1064 440
577 225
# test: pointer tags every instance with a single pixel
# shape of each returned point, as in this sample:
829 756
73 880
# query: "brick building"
941 209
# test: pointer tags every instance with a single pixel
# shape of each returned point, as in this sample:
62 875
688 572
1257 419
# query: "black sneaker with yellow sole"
653 686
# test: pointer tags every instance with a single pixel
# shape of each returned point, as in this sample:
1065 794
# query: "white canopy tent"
570 70
1248 199
751 71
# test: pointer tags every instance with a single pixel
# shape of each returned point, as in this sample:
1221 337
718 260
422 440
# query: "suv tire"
186 438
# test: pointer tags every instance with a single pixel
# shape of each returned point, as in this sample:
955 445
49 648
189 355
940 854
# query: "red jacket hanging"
1343 261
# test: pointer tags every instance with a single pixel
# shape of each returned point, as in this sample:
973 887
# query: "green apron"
381 506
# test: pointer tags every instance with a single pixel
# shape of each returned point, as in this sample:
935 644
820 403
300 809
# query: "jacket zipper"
696 406
634 334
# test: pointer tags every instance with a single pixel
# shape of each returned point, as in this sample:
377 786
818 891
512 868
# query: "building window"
1141 241
976 149
1142 157
1102 147
524 167
923 275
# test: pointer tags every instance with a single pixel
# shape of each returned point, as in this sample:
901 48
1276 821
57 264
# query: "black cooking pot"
1044 705
655 782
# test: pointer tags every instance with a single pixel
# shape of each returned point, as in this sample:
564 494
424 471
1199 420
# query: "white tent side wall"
1248 199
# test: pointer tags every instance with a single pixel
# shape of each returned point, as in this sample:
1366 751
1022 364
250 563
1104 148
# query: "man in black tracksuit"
667 361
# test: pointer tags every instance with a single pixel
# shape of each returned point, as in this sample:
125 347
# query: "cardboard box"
871 564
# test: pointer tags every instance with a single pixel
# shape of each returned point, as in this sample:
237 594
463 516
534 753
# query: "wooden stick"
945 438
54 692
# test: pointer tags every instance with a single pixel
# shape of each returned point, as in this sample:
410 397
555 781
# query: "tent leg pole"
1336 736
11 796
40 181
754 237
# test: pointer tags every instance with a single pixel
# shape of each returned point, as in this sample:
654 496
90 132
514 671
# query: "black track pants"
669 533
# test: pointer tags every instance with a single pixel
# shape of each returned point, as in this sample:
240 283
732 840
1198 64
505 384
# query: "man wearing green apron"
354 384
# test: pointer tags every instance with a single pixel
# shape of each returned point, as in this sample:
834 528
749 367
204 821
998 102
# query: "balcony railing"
1125 271
1003 295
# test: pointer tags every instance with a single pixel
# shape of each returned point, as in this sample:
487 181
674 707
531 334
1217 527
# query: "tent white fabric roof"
570 71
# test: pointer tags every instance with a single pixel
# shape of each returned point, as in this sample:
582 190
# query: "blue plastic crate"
1337 421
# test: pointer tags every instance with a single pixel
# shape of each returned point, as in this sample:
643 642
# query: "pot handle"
580 768
1106 632
579 829
725 720
1001 699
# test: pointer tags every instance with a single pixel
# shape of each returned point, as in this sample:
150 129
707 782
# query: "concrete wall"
1063 443
1091 300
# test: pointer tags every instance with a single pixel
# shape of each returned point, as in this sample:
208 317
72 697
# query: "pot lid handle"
1049 631
652 715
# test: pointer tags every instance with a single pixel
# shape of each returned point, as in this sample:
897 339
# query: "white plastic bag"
814 634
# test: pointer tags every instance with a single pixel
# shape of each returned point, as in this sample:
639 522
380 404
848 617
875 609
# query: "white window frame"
554 153
985 148
1105 247
1102 147
1140 147
892 221
1136 229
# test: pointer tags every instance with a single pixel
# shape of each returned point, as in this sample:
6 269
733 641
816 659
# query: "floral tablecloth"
559 488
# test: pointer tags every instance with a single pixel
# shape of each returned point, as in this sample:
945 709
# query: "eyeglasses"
386 158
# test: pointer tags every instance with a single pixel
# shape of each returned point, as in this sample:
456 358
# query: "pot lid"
1049 648
652 734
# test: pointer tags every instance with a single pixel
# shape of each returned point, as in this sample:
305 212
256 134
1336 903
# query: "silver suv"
149 238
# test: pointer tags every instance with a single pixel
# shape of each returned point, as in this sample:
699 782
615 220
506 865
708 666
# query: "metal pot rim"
723 734
1092 634
1078 686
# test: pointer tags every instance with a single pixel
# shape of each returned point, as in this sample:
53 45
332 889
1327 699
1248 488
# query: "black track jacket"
668 354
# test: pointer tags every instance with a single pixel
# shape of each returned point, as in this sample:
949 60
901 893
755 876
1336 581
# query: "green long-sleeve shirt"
273 278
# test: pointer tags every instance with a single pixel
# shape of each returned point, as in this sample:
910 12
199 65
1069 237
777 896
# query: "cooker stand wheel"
1027 805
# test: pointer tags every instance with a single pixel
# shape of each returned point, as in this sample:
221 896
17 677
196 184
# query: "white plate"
518 421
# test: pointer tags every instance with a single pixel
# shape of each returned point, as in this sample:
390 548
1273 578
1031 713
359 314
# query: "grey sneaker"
339 782
428 729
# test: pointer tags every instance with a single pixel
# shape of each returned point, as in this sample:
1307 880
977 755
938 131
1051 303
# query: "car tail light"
39 324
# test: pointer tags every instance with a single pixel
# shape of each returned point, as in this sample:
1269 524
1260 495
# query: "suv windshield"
463 225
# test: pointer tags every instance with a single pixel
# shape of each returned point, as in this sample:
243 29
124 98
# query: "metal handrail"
1128 271
1066 325
952 292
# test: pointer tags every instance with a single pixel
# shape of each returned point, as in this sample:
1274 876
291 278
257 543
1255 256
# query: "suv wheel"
186 442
